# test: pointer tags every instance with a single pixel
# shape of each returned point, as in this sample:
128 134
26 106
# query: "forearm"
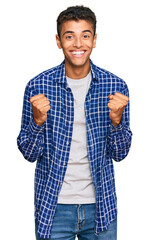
31 141
119 141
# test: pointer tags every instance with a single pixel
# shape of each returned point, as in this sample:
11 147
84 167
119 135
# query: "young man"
75 122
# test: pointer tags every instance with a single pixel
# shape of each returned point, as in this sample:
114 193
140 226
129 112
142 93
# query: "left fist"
117 104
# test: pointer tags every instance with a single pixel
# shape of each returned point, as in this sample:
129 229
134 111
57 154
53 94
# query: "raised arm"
31 137
119 135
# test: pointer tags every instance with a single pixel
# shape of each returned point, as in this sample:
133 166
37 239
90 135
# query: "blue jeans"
73 220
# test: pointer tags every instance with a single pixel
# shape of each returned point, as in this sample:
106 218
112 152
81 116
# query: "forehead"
76 26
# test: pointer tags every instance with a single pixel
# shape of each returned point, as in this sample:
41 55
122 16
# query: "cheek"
90 44
66 47
90 47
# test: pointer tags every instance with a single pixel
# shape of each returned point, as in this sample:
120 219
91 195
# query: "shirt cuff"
116 129
34 129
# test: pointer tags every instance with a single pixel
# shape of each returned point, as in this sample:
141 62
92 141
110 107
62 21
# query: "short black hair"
76 13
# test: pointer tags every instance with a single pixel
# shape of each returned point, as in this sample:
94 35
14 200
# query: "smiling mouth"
78 53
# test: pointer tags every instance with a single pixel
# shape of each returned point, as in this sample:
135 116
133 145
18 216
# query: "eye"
86 36
69 37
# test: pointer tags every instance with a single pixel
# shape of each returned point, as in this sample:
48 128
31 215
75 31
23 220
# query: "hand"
40 106
117 104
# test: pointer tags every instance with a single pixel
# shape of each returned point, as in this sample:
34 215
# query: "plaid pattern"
49 145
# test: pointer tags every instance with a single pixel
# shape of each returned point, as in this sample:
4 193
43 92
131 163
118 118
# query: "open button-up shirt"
49 145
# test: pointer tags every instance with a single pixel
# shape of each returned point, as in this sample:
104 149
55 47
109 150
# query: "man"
75 122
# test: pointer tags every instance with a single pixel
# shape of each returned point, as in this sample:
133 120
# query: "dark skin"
77 41
117 104
40 106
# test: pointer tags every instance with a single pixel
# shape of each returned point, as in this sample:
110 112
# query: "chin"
79 63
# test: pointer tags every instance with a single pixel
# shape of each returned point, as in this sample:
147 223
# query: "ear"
58 42
94 41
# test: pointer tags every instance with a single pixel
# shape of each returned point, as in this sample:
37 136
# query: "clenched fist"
40 106
117 104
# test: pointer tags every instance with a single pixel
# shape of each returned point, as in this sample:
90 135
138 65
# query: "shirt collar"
94 71
60 75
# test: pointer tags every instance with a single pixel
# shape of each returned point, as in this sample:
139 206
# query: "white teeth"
78 53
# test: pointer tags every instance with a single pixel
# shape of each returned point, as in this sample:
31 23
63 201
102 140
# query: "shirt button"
67 143
69 122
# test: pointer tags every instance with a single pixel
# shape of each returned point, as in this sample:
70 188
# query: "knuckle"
34 104
41 95
127 99
126 102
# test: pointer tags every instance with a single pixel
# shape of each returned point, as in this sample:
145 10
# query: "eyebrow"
74 32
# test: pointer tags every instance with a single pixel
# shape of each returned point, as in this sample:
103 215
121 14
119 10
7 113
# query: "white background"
27 48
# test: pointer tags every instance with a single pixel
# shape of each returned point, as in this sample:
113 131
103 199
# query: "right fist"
40 106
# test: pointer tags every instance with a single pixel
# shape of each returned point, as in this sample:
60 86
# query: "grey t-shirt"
78 187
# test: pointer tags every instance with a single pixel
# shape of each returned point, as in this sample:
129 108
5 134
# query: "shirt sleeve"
31 137
119 137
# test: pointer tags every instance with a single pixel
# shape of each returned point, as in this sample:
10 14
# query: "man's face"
77 41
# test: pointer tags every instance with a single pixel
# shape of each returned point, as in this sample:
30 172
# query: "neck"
77 72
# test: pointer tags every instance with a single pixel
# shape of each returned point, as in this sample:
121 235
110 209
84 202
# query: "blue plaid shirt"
49 145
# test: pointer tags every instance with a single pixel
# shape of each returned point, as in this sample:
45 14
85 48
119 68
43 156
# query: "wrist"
38 123
115 123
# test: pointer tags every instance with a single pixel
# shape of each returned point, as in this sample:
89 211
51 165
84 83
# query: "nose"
78 42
